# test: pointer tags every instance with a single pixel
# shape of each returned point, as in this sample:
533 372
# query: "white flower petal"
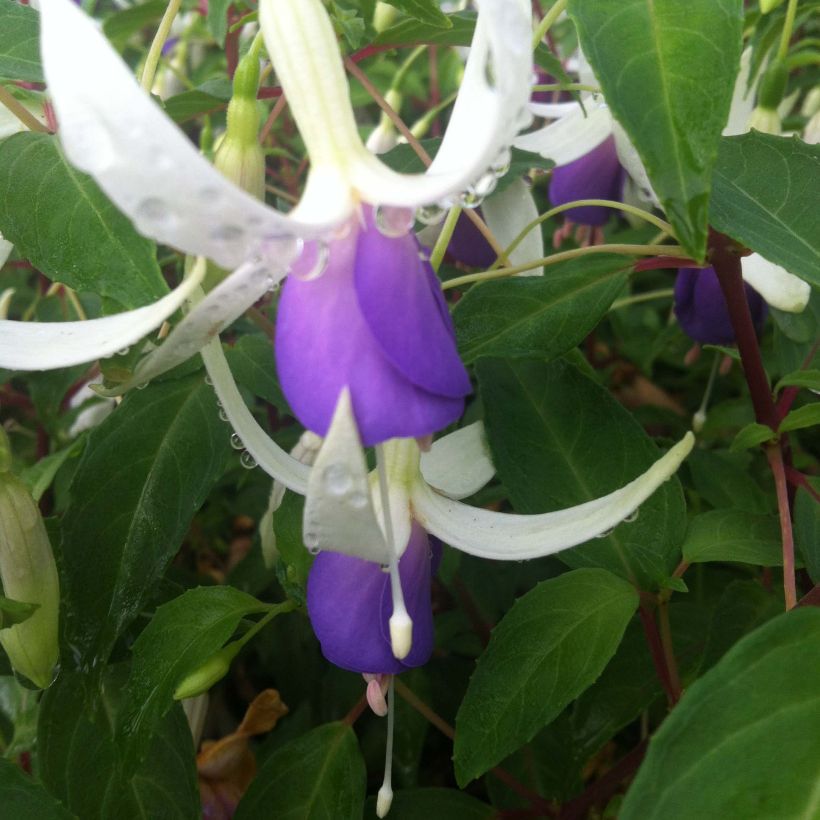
487 114
211 315
570 137
628 156
554 111
266 452
743 100
781 289
113 131
459 464
339 513
48 345
506 214
505 536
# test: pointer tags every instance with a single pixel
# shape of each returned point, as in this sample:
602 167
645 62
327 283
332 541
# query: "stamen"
401 625
385 797
375 697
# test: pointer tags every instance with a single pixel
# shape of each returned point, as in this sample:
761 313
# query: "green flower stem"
149 70
788 26
444 237
498 273
566 87
774 454
546 23
636 299
420 127
275 609
665 227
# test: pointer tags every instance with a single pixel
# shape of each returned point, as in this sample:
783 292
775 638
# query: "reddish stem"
775 457
653 640
658 262
797 479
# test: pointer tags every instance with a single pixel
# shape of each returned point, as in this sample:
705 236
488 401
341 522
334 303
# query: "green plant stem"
275 609
788 26
444 237
651 295
499 273
774 454
149 70
546 23
566 87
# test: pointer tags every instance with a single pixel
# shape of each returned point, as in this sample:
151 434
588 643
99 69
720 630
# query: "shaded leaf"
14 612
733 535
551 645
434 804
20 42
59 219
23 798
806 416
807 528
425 11
751 435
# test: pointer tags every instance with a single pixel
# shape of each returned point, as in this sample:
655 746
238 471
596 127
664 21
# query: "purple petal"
701 309
596 175
400 299
349 604
324 344
467 245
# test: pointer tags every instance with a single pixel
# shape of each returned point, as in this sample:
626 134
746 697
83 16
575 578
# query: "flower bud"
767 6
29 575
209 673
239 155
773 85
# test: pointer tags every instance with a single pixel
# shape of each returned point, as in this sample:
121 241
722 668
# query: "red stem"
653 640
775 457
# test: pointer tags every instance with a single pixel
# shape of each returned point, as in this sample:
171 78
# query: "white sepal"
506 536
575 134
113 131
507 213
781 289
266 452
628 156
459 464
487 114
339 513
553 111
49 345
208 318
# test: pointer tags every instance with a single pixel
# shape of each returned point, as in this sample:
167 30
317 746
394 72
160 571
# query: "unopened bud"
765 120
29 575
209 673
773 85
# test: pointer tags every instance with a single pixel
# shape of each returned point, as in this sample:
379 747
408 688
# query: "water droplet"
470 198
501 164
394 222
153 209
222 414
142 386
247 460
209 381
123 351
312 261
430 214
606 533
632 517
384 567
227 233
311 539
358 501
486 184
337 479
424 254
236 442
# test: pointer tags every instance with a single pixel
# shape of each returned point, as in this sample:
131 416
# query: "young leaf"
559 439
751 435
425 11
19 42
800 378
552 644
667 71
145 471
538 315
764 195
182 635
712 757
320 774
23 798
59 219
806 416
733 535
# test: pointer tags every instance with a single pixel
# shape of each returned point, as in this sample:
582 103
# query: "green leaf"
24 798
145 471
667 70
733 535
751 435
551 645
218 19
14 612
320 776
415 32
434 804
79 759
745 739
725 479
559 439
425 11
59 219
124 23
38 476
20 42
765 196
807 528
538 315
800 378
806 416
287 525
251 361
182 635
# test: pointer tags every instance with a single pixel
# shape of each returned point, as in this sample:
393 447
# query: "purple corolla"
701 309
375 321
350 603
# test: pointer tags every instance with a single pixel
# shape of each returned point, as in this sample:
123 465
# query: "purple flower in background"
375 322
701 309
596 175
468 246
349 604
